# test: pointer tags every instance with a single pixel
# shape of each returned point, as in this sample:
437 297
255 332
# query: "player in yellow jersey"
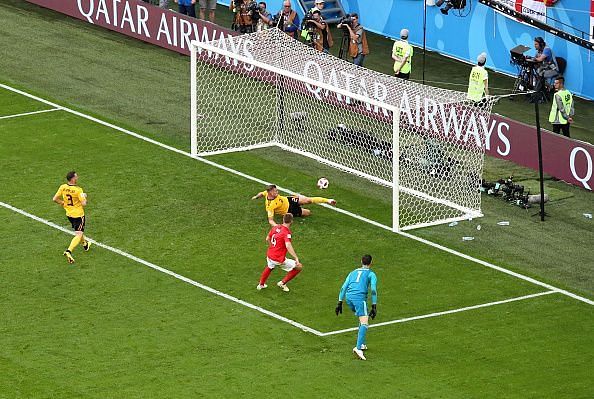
279 205
72 198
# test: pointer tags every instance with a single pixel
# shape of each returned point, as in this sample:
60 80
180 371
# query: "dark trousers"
561 127
403 75
188 10
358 60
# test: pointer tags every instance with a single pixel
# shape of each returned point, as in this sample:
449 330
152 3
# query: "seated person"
545 63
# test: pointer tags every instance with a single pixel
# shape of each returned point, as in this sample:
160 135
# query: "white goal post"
266 89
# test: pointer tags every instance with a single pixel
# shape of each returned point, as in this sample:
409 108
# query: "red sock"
291 275
265 275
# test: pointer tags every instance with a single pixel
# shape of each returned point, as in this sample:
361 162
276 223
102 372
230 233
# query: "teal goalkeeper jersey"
357 284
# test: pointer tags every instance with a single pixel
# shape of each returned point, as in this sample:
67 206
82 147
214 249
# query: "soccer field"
111 325
165 305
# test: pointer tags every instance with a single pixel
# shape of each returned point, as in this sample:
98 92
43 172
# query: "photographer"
265 18
243 16
358 47
288 19
317 33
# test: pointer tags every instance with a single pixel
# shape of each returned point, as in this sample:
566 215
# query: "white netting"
267 89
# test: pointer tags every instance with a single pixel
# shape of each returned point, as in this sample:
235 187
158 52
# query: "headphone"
540 41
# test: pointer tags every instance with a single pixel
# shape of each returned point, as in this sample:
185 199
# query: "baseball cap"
319 1
404 33
482 58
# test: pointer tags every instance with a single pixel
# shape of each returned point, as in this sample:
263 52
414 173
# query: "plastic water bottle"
503 223
453 224
467 238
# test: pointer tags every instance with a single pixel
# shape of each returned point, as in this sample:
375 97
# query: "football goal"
266 89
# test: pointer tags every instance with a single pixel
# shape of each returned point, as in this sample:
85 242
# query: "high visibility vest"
476 83
567 100
399 50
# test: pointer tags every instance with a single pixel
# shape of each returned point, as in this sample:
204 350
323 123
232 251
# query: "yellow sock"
320 200
75 241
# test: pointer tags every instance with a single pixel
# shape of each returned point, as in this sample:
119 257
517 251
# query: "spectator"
358 47
164 4
243 18
402 53
478 81
319 5
187 7
211 5
290 20
562 110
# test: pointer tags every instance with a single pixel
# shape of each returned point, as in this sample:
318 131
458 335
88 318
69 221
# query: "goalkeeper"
355 288
280 205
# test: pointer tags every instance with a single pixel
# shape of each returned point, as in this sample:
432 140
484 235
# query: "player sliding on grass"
72 198
279 242
279 205
355 289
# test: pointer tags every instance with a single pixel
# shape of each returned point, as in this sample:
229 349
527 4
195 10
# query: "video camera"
346 20
455 4
254 8
509 191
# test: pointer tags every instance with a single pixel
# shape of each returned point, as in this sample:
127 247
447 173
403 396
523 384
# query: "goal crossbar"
357 133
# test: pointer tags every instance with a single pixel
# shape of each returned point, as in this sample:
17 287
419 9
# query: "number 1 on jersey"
359 273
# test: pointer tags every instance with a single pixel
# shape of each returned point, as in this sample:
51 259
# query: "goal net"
266 89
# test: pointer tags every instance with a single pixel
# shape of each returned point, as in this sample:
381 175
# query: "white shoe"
359 353
261 286
332 202
363 347
282 286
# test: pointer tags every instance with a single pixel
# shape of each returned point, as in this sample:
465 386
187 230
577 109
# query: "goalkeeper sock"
320 200
291 275
75 241
265 275
361 335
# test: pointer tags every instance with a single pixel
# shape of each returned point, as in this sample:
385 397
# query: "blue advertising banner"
484 29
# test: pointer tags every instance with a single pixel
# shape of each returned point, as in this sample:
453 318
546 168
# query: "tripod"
344 45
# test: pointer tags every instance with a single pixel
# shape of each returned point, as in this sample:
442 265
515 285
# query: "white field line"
166 271
30 113
353 215
426 316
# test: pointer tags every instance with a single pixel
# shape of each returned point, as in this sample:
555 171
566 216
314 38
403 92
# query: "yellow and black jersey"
73 196
277 206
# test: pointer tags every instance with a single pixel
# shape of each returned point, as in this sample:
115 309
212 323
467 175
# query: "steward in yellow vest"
562 108
478 81
402 53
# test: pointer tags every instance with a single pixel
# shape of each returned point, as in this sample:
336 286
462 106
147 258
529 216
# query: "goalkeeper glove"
373 312
338 308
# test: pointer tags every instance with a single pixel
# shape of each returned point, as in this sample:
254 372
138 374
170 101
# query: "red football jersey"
278 237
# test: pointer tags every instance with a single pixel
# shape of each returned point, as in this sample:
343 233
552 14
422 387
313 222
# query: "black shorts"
403 75
294 206
78 224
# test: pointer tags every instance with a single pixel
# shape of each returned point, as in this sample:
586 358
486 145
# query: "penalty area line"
263 182
167 271
426 316
30 113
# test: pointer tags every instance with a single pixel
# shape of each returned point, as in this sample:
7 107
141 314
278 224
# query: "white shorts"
287 265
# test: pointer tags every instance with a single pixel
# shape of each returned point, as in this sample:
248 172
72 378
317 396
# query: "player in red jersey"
279 243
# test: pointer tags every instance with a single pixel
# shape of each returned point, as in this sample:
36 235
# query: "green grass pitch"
110 327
